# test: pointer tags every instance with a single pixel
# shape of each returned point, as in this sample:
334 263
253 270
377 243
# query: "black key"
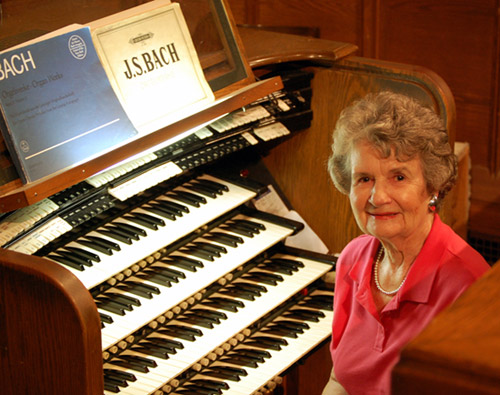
165 213
183 262
250 287
115 381
244 225
266 278
209 313
84 253
237 229
177 208
180 331
125 298
115 235
288 262
199 321
145 287
216 185
122 231
299 326
111 387
102 242
111 307
283 332
256 353
224 238
222 375
216 249
105 250
188 390
198 252
135 290
304 315
189 198
272 343
139 360
210 383
207 187
156 278
165 342
153 350
105 319
119 373
124 304
224 303
250 224
202 190
134 229
145 220
66 261
200 314
75 258
276 268
239 293
130 365
240 361
167 270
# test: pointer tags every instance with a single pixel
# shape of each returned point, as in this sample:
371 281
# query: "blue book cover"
58 107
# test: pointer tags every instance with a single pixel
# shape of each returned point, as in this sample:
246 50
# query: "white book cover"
153 66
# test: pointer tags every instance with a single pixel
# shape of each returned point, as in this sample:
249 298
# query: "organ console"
149 270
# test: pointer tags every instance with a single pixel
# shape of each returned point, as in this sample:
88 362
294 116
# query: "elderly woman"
391 156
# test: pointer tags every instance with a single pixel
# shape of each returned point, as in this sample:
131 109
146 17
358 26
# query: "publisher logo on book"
77 47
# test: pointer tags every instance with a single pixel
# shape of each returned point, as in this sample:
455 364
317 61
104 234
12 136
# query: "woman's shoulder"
457 252
361 241
358 247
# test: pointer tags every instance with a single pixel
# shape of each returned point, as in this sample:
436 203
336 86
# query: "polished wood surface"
459 352
270 48
50 332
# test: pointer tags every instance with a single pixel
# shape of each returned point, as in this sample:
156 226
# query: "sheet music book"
58 107
152 64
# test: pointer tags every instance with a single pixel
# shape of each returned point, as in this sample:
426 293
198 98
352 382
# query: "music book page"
152 65
58 107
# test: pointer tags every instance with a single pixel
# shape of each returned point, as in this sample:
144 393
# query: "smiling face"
389 198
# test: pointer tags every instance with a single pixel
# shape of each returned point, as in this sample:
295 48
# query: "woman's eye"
364 179
400 177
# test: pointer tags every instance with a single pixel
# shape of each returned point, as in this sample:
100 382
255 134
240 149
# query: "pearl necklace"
375 275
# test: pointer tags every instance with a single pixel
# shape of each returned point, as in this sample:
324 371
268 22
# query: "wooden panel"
66 337
265 48
336 20
303 176
459 352
21 16
458 40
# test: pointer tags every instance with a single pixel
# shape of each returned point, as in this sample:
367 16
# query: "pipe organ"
150 270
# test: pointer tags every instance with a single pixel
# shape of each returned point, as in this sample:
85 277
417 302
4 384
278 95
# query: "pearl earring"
433 203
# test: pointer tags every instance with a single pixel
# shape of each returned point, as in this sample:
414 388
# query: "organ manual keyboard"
149 269
193 290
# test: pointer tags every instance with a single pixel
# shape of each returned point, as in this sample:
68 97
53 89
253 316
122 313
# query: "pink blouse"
365 344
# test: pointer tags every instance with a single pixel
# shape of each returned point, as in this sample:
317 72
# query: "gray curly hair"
390 121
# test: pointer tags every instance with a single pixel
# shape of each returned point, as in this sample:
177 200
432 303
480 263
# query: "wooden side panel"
299 165
50 332
459 352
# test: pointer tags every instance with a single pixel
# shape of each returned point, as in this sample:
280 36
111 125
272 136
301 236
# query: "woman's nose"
379 195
